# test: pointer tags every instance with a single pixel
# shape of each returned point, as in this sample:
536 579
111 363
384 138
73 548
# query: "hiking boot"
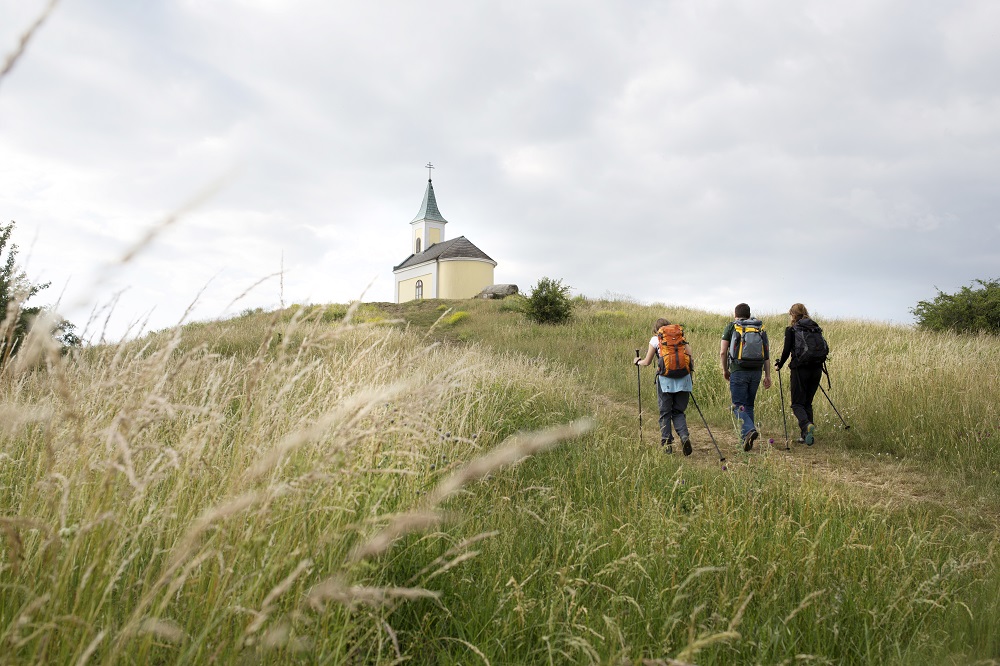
668 445
686 445
800 440
810 437
750 438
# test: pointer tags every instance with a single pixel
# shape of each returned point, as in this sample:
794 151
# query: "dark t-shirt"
728 335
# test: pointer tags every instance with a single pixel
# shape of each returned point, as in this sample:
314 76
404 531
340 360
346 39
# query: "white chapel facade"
436 267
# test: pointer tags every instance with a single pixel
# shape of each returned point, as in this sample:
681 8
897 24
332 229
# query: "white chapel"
439 268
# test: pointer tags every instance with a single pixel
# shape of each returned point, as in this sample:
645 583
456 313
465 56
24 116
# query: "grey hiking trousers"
672 406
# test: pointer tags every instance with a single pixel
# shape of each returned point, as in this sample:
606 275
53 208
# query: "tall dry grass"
165 502
626 555
301 487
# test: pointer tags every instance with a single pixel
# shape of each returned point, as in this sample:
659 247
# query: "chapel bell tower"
428 225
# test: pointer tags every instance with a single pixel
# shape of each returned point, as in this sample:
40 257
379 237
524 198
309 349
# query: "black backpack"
811 347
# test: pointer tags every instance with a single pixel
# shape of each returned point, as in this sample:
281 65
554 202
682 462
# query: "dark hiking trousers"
805 381
743 385
672 406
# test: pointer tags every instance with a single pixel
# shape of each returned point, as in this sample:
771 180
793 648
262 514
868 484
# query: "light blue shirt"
671 385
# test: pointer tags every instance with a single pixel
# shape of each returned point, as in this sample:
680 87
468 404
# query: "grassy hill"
449 483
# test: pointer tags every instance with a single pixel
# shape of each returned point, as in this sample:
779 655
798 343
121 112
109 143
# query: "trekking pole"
846 427
638 383
784 420
722 458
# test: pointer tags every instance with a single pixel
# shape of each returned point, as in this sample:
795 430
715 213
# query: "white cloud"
872 210
570 138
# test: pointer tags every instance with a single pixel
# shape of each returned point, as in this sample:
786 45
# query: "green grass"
905 393
317 485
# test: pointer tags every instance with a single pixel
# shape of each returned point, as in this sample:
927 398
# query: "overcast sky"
691 152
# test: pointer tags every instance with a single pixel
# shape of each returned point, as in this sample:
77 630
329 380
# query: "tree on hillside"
549 302
967 311
16 317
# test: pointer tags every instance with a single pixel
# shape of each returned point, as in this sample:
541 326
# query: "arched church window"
418 247
420 283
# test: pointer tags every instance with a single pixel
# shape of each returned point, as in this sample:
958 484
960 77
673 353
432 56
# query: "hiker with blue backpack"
674 381
808 349
744 353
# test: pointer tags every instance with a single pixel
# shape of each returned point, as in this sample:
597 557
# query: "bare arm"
724 357
650 353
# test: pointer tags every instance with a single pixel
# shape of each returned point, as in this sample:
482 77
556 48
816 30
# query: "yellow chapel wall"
463 279
408 288
433 236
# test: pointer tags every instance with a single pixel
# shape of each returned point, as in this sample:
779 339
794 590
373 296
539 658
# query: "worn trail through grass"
864 477
870 468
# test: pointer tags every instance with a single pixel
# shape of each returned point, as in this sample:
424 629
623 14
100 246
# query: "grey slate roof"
429 207
456 248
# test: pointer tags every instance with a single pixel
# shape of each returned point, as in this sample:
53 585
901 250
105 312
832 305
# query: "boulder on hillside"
498 291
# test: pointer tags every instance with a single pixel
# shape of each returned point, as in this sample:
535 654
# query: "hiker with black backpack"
744 353
674 381
808 349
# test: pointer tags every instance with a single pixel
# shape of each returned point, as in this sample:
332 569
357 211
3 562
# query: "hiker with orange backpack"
674 381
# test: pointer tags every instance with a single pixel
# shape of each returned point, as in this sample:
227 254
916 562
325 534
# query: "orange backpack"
674 361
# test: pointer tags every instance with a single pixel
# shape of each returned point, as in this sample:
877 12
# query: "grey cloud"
857 139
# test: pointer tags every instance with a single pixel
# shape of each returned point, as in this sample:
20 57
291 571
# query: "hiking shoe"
800 440
750 438
686 445
668 445
810 437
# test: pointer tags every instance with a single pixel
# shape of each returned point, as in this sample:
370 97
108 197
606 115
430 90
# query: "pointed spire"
429 208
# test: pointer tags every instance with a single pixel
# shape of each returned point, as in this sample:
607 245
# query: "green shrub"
457 317
549 302
968 311
334 312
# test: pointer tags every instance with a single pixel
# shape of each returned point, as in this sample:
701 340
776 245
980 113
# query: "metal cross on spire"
429 167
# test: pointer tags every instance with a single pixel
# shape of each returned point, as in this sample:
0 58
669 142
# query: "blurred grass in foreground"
324 486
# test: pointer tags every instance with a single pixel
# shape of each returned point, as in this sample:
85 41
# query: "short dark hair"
742 311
